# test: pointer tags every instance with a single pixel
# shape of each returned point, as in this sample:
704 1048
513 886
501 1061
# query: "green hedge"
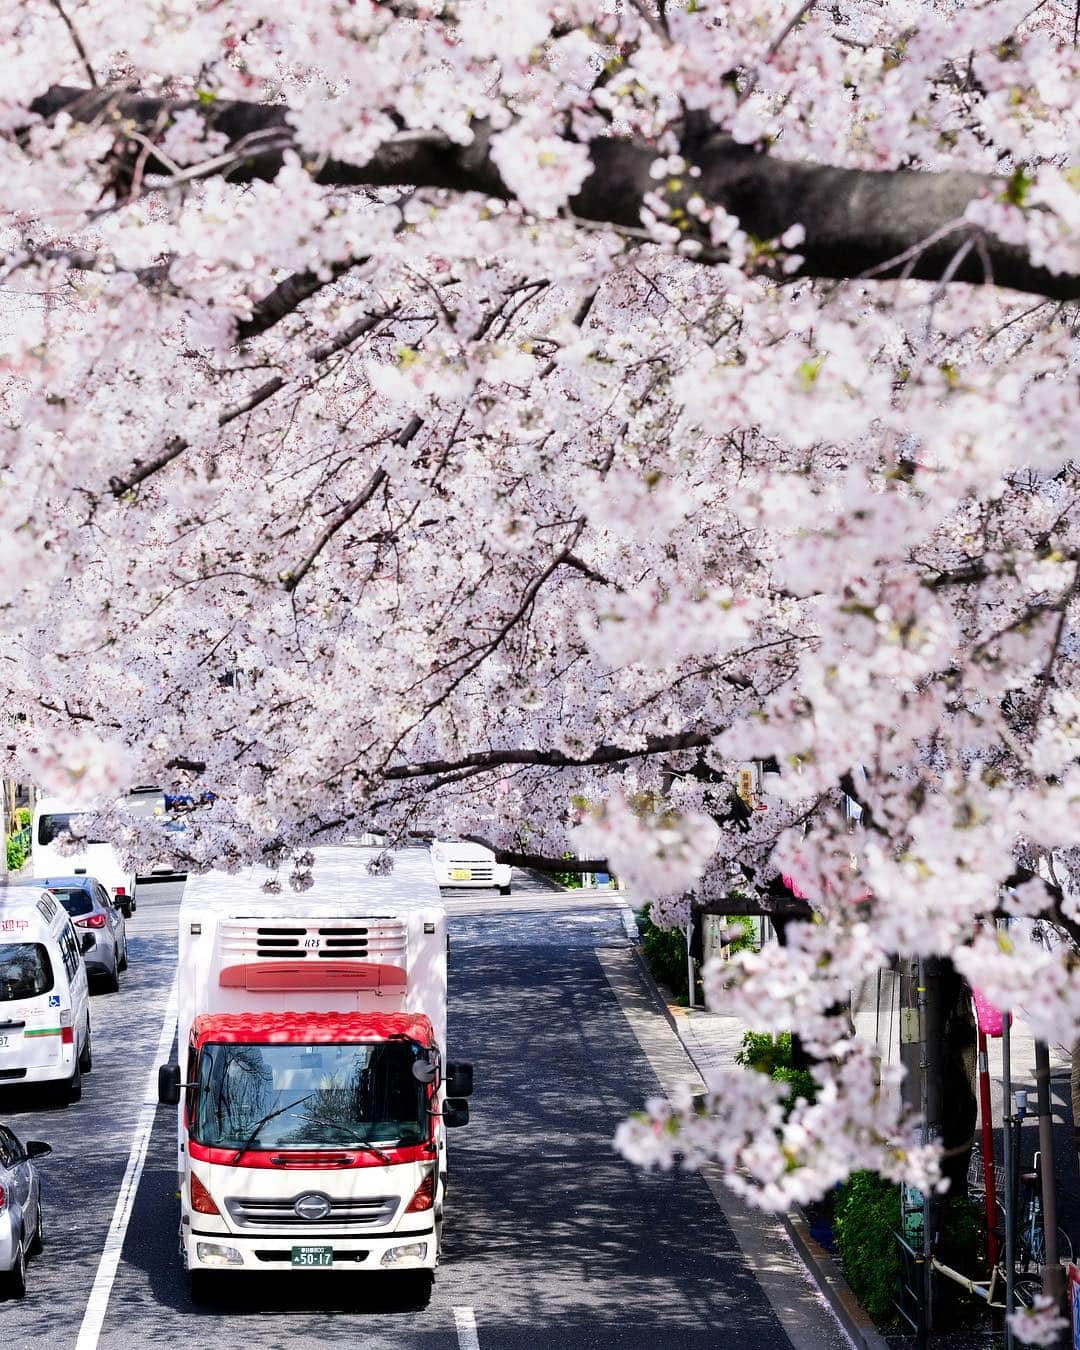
665 951
866 1215
16 853
772 1055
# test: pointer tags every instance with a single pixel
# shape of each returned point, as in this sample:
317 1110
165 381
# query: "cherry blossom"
508 418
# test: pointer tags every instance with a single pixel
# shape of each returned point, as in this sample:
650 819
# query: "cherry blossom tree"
506 417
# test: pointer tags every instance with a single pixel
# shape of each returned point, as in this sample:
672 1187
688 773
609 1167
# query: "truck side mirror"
455 1112
86 943
168 1084
459 1078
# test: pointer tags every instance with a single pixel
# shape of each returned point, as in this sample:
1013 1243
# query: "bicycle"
1031 1232
1030 1247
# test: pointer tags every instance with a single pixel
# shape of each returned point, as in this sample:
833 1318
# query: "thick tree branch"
552 759
857 221
289 295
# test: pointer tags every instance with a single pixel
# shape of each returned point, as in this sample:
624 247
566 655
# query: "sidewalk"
712 1040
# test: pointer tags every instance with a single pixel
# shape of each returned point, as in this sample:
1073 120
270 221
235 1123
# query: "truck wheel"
504 890
416 1286
205 1285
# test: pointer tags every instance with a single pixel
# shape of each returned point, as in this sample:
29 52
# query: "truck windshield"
53 826
309 1096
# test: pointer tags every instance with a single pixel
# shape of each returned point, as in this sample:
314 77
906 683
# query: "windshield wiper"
268 1117
374 1148
360 1144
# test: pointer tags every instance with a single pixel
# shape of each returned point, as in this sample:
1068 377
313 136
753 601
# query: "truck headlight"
412 1251
217 1254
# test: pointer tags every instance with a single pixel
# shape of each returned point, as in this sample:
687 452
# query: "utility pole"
1010 1169
689 931
1053 1275
913 1225
4 833
933 1035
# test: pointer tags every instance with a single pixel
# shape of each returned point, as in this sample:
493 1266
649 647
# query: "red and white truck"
313 1089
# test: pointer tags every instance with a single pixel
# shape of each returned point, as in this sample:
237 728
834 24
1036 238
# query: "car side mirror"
455 1112
459 1078
37 1148
168 1084
86 943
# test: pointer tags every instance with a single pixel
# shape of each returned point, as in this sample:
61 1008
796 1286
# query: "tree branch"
552 759
856 221
176 447
293 579
289 295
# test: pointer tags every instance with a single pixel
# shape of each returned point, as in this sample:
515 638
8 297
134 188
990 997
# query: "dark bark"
959 1108
857 221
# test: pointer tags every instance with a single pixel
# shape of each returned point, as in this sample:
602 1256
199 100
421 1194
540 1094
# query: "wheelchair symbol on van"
54 1000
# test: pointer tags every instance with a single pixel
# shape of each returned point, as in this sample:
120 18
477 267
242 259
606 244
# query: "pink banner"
988 1018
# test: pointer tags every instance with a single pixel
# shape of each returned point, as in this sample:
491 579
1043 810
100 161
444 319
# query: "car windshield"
308 1096
74 899
25 970
51 827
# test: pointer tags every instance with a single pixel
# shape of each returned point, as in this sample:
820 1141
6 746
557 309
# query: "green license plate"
313 1256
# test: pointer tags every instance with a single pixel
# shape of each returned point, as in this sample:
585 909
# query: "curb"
822 1267
825 1272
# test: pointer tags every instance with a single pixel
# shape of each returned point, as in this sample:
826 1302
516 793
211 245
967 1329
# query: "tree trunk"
959 1109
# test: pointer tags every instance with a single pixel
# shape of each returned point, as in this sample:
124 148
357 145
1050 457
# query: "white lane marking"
465 1321
98 1303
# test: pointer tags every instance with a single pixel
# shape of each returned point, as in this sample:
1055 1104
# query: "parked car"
44 993
461 863
92 911
22 1229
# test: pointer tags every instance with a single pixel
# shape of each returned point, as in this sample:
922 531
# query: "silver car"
22 1228
93 912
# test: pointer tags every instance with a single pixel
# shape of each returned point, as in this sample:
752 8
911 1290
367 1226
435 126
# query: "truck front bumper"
416 1250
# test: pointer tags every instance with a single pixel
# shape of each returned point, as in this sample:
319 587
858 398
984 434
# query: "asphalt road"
551 1238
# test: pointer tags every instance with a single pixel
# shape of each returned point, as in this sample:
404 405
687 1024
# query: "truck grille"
355 1212
384 940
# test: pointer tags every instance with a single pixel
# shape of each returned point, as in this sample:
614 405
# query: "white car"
22 1229
461 863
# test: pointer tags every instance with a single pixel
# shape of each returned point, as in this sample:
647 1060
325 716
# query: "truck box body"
307 1134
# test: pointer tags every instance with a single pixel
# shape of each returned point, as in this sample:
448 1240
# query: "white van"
44 998
53 817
